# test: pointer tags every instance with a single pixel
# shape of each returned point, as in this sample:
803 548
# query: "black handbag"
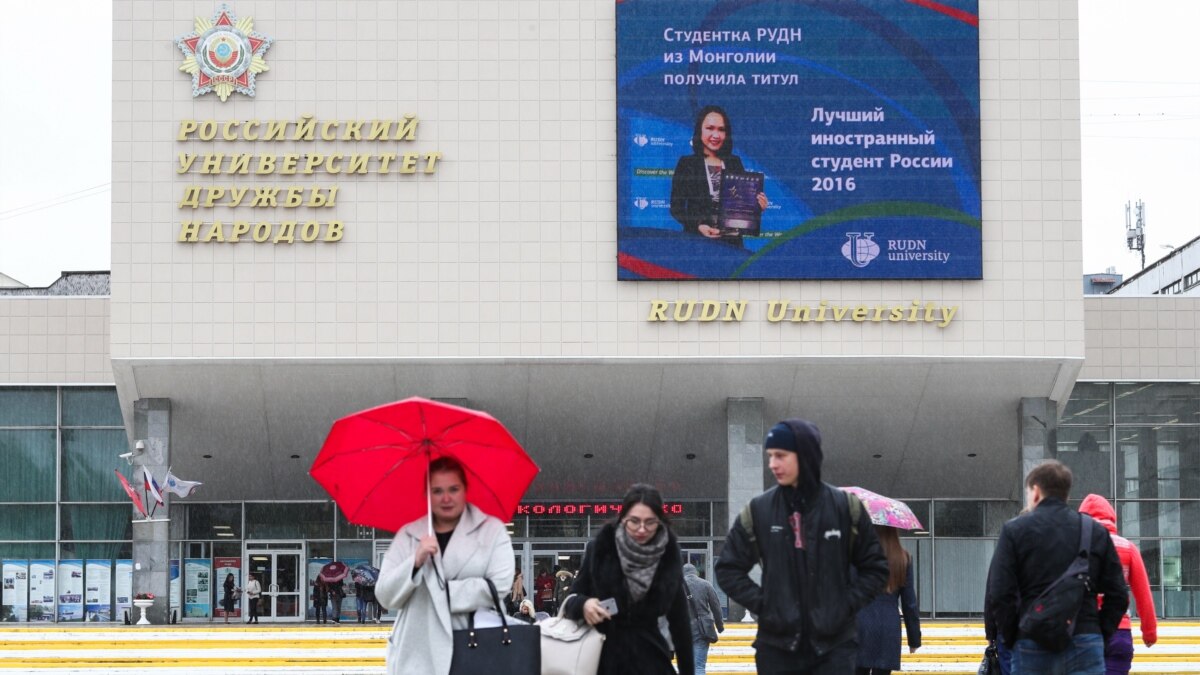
504 650
990 665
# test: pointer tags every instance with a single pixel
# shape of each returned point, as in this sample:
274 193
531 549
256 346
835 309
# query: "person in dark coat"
336 593
635 562
228 602
696 184
818 567
878 625
320 600
705 609
1033 551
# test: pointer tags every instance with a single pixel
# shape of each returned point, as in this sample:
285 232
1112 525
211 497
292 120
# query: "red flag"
137 501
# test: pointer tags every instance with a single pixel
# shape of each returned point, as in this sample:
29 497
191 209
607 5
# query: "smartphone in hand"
609 605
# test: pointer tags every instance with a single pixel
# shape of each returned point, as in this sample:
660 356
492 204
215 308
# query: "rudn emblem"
224 54
860 249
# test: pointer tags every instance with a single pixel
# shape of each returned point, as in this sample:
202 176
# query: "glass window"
569 526
971 518
348 530
289 520
920 509
95 550
1158 462
89 458
1088 453
214 521
1089 404
320 549
91 407
29 551
28 407
101 522
1158 403
29 467
26 521
353 550
1159 519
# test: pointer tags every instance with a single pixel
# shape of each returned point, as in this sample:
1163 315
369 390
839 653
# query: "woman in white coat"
467 547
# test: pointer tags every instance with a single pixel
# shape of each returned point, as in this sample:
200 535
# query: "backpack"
854 506
1050 619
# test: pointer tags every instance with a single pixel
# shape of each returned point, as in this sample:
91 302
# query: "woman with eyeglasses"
632 574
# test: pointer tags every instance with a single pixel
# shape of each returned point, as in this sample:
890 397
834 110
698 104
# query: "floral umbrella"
886 511
334 571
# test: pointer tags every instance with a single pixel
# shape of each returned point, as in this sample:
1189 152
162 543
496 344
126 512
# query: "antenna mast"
1135 232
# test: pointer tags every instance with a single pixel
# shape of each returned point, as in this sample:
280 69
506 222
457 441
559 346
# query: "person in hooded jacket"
705 608
636 562
1118 653
818 568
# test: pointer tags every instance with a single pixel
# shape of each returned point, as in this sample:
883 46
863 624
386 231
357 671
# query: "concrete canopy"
640 419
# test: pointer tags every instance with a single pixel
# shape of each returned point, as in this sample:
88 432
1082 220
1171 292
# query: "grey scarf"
639 562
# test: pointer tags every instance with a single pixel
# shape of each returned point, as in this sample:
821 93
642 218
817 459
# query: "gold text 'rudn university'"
785 311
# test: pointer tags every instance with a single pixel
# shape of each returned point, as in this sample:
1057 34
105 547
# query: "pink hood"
1101 511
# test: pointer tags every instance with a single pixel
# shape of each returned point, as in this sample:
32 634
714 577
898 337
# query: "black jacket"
810 595
1033 551
691 203
633 644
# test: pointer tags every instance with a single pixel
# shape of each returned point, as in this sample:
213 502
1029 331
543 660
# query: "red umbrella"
334 571
375 462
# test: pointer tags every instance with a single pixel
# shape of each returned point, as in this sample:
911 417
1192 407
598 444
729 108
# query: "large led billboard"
810 139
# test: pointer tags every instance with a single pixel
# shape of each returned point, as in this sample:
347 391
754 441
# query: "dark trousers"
322 609
252 605
774 661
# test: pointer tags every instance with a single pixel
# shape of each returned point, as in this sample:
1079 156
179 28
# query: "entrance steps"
352 649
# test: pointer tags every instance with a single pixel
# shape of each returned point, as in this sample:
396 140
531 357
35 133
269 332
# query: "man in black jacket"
800 533
1033 551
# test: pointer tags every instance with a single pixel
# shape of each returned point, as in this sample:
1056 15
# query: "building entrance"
279 568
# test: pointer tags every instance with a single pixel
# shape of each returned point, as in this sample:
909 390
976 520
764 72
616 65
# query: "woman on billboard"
696 189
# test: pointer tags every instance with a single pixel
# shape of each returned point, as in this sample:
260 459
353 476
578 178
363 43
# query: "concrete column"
1038 429
744 428
744 425
151 552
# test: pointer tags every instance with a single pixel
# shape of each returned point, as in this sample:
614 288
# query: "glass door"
552 573
279 569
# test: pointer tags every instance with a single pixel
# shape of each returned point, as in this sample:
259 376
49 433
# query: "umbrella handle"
428 500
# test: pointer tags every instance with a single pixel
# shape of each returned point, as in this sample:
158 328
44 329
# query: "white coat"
422 641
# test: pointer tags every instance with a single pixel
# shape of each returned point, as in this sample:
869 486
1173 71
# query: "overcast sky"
1140 112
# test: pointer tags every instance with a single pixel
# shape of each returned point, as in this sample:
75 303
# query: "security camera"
138 448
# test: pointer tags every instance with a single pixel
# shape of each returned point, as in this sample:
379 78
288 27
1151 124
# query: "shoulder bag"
990 665
503 650
1050 618
570 647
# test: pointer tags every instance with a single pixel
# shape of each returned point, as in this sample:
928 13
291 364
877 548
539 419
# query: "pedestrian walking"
228 599
543 588
820 557
1118 652
632 574
253 590
512 601
320 600
436 581
1033 552
337 593
704 608
878 622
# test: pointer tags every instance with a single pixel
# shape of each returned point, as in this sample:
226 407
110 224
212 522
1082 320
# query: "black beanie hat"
781 437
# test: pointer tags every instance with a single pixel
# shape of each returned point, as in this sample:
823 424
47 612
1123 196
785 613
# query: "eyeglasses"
635 524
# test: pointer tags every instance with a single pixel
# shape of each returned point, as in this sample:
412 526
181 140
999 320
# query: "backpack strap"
746 518
856 508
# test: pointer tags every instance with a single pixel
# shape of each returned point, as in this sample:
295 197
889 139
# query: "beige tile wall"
54 340
509 250
1141 338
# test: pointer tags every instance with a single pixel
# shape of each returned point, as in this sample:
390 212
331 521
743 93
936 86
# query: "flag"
151 485
133 496
181 487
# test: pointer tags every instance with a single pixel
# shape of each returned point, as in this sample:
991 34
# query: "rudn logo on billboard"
223 54
861 249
